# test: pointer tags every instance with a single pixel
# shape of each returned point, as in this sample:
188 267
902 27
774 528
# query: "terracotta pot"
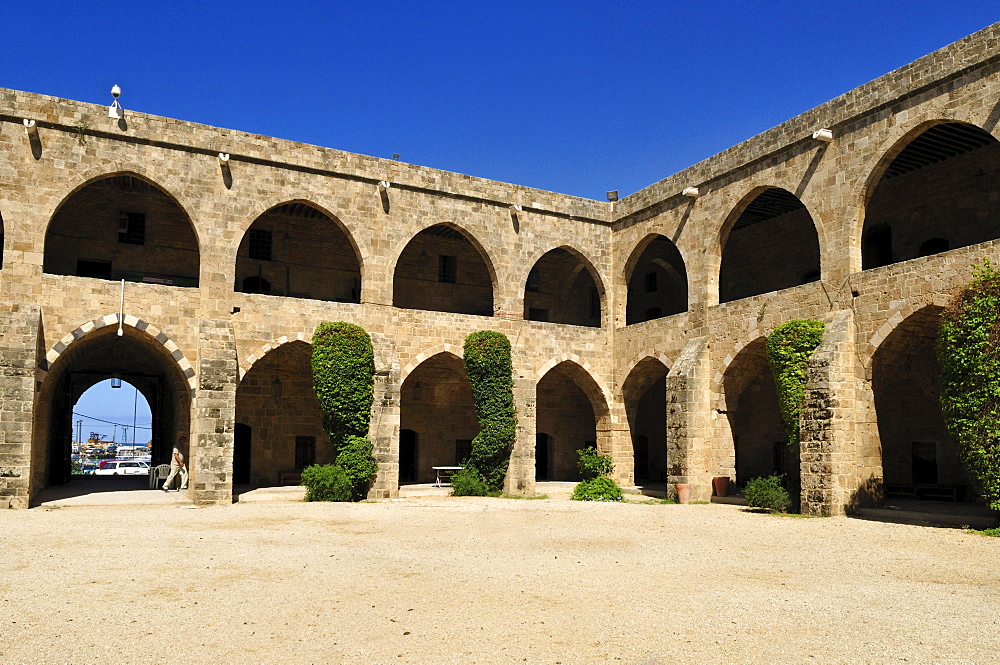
683 492
720 485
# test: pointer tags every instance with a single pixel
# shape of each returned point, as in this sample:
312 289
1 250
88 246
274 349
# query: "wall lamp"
223 158
824 135
31 128
691 192
613 195
115 110
383 185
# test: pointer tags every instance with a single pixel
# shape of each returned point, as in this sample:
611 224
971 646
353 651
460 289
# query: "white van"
122 468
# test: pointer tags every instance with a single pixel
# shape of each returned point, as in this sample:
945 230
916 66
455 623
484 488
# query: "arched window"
562 290
657 282
440 269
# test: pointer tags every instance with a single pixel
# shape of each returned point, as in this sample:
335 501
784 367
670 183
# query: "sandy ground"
473 580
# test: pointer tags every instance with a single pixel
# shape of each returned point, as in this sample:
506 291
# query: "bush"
767 493
788 349
592 464
490 370
968 351
355 457
468 482
327 482
597 489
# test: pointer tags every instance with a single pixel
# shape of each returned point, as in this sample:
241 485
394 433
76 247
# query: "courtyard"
436 579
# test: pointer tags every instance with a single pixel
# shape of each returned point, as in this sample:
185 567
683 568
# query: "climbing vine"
788 349
968 351
343 366
490 371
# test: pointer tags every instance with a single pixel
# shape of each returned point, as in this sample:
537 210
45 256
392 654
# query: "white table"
449 471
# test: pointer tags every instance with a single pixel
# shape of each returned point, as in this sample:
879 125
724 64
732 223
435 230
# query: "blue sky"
576 97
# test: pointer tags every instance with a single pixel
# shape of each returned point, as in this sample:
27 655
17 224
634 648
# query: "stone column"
214 413
384 428
827 425
18 353
690 457
521 470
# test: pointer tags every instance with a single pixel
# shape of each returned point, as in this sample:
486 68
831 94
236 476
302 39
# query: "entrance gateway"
637 326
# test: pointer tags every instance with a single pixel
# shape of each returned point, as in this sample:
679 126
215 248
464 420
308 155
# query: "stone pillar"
827 425
690 457
521 470
214 413
18 352
384 428
621 444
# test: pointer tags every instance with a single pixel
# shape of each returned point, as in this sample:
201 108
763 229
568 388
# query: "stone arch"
654 280
895 318
247 363
586 308
112 243
144 327
437 412
421 292
571 411
644 395
929 171
768 242
300 236
452 349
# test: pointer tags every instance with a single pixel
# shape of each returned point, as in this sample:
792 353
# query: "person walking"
177 466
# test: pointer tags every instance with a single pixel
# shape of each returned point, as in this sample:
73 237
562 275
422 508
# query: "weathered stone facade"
636 325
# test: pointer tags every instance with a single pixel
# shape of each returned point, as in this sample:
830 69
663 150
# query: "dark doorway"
407 456
242 445
541 456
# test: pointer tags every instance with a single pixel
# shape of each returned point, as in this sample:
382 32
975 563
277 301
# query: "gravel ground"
471 580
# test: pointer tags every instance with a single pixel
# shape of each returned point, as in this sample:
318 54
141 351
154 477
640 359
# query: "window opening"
447 269
651 282
132 228
463 449
260 244
91 268
305 452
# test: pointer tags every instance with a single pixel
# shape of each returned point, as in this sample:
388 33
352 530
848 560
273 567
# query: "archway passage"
561 289
112 419
437 416
760 445
122 227
939 192
296 250
134 358
916 448
645 395
657 284
441 270
772 245
281 423
565 401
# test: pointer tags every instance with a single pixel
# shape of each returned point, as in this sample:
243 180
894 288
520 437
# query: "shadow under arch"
143 357
644 393
930 192
301 250
769 242
572 413
444 268
655 279
563 286
437 417
122 225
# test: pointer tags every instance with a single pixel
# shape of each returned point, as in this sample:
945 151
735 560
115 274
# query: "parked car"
120 468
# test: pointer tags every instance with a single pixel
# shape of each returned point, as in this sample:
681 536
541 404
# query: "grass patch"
798 516
993 533
537 497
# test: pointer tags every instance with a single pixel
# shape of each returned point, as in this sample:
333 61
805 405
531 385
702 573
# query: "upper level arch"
656 280
935 189
564 287
298 249
122 226
769 242
444 268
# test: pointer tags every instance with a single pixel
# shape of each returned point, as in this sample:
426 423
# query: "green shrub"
468 482
788 349
490 371
327 482
968 351
597 489
592 464
767 493
343 366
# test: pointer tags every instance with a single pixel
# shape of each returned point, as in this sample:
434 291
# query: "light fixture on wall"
115 110
31 128
613 195
691 192
825 135
418 391
276 388
116 382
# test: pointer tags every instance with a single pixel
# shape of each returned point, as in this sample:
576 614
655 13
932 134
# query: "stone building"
638 325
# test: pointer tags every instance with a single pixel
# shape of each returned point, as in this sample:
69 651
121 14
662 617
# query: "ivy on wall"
488 365
788 349
968 351
343 367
